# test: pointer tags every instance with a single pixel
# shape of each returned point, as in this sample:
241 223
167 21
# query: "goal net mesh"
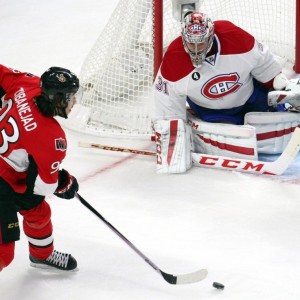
117 75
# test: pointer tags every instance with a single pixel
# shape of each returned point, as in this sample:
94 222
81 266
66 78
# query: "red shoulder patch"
176 63
233 39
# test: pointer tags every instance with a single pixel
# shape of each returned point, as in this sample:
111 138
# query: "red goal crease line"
277 167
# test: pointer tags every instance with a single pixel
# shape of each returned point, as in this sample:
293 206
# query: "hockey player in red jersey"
225 75
32 148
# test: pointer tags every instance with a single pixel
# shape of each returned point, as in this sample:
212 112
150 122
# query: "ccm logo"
230 164
158 148
13 225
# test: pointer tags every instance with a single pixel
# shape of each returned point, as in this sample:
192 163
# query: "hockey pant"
38 229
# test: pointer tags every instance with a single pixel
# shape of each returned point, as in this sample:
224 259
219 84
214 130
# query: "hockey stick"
172 279
276 167
118 149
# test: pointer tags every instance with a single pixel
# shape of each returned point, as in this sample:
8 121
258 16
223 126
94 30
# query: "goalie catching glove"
290 94
67 185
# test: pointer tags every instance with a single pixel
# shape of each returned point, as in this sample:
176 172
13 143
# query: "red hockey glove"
67 185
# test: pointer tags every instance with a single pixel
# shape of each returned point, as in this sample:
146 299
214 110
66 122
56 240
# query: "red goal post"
297 37
118 73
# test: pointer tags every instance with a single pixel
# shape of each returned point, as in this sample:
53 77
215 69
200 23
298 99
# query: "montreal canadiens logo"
221 86
196 28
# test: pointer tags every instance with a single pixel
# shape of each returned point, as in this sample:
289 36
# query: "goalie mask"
197 36
58 86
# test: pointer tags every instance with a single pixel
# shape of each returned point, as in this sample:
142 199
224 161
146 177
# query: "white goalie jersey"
223 81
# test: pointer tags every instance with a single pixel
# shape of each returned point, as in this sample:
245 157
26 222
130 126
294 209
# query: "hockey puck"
218 286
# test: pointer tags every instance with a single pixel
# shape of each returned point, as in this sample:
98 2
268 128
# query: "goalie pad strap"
232 148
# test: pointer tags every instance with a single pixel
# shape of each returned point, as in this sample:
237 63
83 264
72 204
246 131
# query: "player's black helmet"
58 80
57 85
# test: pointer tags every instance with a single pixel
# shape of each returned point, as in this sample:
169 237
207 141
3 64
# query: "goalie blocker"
286 92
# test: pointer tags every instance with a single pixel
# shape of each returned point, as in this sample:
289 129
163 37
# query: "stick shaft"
118 149
116 231
172 279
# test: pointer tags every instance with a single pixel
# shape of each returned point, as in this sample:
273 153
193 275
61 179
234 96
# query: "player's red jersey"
32 146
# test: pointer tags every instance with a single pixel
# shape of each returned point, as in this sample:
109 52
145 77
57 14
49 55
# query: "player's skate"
57 260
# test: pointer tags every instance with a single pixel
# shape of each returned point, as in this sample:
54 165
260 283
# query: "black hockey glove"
67 185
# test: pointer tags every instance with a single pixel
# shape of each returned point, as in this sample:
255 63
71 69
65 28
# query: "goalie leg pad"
221 139
173 146
273 129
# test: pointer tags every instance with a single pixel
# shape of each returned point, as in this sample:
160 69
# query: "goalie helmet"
57 85
197 36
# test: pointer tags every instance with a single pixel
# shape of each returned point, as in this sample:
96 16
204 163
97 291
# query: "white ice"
244 229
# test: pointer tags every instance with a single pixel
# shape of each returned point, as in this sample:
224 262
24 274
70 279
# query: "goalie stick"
172 279
276 167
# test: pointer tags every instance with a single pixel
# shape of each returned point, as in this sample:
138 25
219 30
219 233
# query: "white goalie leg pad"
174 144
221 139
273 129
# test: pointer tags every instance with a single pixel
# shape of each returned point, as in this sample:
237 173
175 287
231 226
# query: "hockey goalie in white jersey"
235 91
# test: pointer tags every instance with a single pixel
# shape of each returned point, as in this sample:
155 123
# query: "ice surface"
244 229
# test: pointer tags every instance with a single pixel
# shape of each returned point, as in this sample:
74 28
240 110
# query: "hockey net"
118 73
